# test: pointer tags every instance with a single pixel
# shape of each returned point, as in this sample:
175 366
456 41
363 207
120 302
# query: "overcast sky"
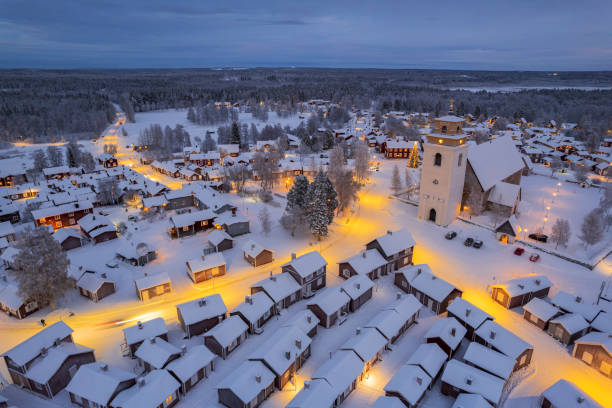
472 34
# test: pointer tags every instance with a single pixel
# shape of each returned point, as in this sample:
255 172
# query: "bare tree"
336 164
54 155
347 188
605 202
592 228
560 234
264 165
108 191
264 218
581 173
40 267
361 158
396 181
481 136
555 164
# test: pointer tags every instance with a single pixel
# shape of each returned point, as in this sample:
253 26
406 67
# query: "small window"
460 160
438 159
587 357
605 368
169 399
458 129
443 129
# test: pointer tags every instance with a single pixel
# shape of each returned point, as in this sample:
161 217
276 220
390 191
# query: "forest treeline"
41 106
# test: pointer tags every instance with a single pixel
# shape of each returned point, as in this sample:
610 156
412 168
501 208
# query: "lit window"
169 399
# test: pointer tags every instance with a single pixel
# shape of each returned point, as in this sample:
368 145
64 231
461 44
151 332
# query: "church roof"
494 160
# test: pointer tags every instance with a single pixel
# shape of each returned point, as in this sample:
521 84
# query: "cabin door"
432 215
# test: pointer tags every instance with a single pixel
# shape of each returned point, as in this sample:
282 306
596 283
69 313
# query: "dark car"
478 244
534 257
468 242
539 237
450 235
519 251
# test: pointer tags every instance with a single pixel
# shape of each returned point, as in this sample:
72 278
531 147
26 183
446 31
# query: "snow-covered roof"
505 194
502 339
430 357
156 351
191 362
156 386
254 307
217 236
603 323
152 280
9 297
541 309
46 366
575 304
366 261
366 342
387 402
525 284
473 380
340 371
572 322
243 381
97 382
92 221
468 313
465 400
279 286
131 250
64 233
597 338
489 360
395 241
357 285
228 330
145 330
388 323
405 305
61 209
410 382
494 160
92 282
101 230
282 349
564 394
305 320
27 350
6 228
315 393
306 264
228 148
202 309
212 260
188 219
398 144
449 330
451 118
330 300
253 249
425 281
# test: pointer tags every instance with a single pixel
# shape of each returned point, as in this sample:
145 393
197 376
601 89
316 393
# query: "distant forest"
46 105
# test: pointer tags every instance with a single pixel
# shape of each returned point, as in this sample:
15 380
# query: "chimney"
418 272
307 385
139 325
389 232
309 319
453 332
419 380
141 382
183 350
248 300
520 285
104 367
398 295
258 378
293 256
492 335
467 312
469 380
152 340
358 331
580 399
202 302
43 351
537 281
358 286
363 254
288 355
103 275
57 342
578 299
298 344
273 278
252 247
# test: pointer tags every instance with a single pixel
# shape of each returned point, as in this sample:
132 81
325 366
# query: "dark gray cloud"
476 34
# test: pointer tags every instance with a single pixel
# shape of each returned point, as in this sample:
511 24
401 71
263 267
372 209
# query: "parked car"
450 235
478 244
468 242
539 237
534 257
105 213
519 251
132 218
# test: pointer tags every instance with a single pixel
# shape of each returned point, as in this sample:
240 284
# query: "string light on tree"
413 158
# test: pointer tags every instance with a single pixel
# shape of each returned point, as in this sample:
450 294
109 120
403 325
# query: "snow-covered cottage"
200 315
430 357
183 225
256 254
135 335
409 384
207 267
359 289
396 318
342 371
255 311
517 292
539 312
315 393
136 255
491 361
281 288
95 286
153 390
226 336
567 328
434 293
396 247
155 353
447 333
309 270
96 384
492 335
68 238
368 344
97 227
13 304
192 366
569 303
306 321
250 384
459 377
329 305
595 350
564 394
152 286
468 315
368 263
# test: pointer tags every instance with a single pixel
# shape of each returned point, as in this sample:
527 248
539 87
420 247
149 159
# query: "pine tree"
295 212
235 135
318 214
191 116
40 267
330 196
396 181
413 158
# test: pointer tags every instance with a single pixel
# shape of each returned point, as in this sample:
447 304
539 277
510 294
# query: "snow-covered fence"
404 200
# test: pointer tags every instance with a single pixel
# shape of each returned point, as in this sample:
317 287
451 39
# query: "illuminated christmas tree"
413 158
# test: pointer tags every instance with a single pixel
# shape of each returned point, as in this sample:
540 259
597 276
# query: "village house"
564 394
62 215
12 172
602 323
220 241
459 377
152 286
155 353
60 172
539 312
569 303
309 270
517 292
250 384
434 293
204 159
109 381
7 231
567 328
447 333
107 160
97 227
359 289
396 247
342 371
200 315
464 400
595 350
430 357
155 389
494 336
256 254
281 288
468 315
284 354
95 286
207 267
135 335
396 318
488 360
508 231
314 393
368 263
226 336
396 149
192 366
409 384
329 305
190 223
368 344
136 255
233 222
13 304
68 238
306 321
232 150
255 311
9 212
